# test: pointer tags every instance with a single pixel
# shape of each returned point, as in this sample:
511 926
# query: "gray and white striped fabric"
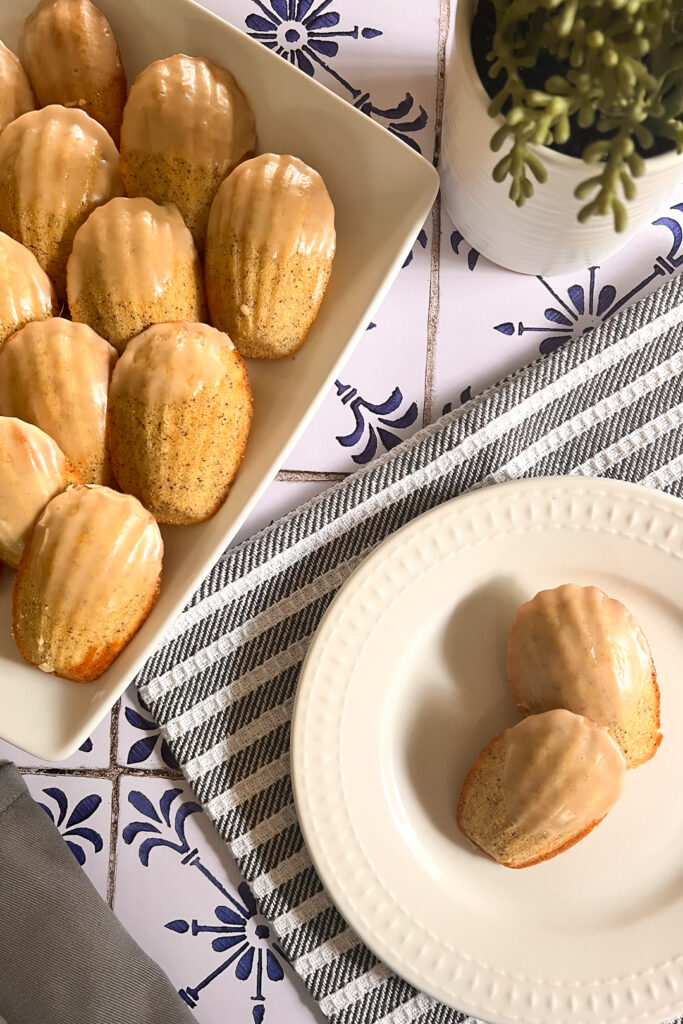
222 685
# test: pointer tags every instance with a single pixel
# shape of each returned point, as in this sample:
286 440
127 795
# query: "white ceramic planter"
544 236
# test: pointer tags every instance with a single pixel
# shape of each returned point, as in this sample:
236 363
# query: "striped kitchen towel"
222 685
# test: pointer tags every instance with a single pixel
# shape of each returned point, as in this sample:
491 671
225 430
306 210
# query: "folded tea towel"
64 957
222 684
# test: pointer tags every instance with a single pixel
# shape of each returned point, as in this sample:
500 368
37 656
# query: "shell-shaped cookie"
134 264
71 56
574 647
26 292
179 417
16 94
539 787
33 469
56 165
56 374
87 580
186 125
269 251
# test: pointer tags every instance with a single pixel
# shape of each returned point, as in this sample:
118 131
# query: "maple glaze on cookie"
87 580
574 647
269 252
185 126
33 469
540 787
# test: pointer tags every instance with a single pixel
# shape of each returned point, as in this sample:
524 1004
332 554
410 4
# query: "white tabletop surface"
452 325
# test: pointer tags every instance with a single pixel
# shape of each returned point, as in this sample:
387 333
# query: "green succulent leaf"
618 72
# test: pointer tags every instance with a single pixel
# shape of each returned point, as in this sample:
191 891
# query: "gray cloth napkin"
223 682
64 957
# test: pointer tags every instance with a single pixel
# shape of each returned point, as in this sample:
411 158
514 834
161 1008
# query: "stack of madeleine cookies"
146 251
581 672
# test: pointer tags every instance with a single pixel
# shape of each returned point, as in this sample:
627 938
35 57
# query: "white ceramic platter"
382 192
402 687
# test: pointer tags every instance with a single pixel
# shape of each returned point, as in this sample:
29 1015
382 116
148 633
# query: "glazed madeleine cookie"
56 374
186 125
87 580
540 787
134 264
33 469
26 292
269 251
179 417
70 54
577 648
56 166
16 94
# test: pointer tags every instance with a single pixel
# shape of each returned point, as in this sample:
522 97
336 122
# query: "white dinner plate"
405 683
382 191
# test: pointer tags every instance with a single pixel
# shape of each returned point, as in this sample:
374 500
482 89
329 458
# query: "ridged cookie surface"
56 165
540 787
71 57
574 647
269 250
26 292
33 469
87 580
56 374
186 125
179 418
134 264
16 94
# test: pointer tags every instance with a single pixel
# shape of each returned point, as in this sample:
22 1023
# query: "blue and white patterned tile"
492 322
377 400
93 752
81 810
197 919
358 50
139 740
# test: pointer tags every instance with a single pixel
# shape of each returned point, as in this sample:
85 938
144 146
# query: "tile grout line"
115 791
111 774
434 273
303 476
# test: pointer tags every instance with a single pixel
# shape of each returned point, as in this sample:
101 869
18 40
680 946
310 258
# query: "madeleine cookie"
134 264
56 375
26 292
577 648
71 57
33 469
186 125
269 251
56 166
16 94
540 787
179 417
87 580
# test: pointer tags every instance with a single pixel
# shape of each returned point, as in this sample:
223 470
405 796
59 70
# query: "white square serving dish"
382 192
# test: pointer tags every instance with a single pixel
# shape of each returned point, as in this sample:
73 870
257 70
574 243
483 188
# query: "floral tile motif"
377 399
198 919
81 811
508 320
139 741
337 41
93 753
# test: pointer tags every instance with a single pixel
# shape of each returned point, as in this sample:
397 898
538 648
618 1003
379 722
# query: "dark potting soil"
483 27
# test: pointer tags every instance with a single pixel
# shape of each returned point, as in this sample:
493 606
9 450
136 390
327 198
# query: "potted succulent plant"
563 126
